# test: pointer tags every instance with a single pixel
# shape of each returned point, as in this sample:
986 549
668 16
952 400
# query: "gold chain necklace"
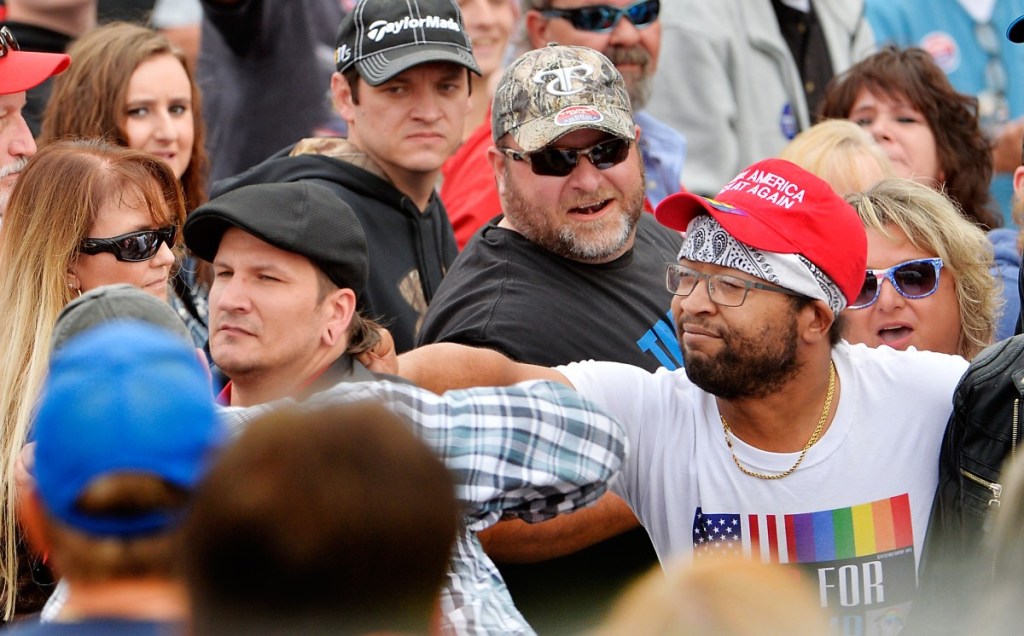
814 436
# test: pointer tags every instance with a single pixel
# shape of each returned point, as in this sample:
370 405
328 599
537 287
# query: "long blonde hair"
932 222
52 208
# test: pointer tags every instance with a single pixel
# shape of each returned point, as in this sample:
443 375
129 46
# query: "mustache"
583 200
689 321
628 55
13 168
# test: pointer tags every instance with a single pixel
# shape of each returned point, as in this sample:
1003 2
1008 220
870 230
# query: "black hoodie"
409 250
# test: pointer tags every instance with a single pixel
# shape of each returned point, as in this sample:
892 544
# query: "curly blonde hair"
933 223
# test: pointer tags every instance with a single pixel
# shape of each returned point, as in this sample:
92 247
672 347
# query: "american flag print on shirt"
861 557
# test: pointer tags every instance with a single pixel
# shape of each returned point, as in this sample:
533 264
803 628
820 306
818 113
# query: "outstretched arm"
517 541
531 451
444 366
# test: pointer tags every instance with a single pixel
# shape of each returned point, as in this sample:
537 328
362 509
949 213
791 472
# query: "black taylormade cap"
383 38
304 218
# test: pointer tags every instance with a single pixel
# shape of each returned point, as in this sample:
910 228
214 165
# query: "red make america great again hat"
777 206
22 70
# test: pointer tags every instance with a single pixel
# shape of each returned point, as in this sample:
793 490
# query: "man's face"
266 317
410 124
590 215
736 352
16 144
634 51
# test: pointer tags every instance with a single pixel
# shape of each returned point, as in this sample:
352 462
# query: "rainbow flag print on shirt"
861 557
827 535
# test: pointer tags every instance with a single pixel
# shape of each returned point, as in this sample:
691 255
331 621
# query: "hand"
382 358
23 478
1006 147
516 541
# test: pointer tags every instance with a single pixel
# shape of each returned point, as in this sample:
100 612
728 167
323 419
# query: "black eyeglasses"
559 162
912 279
8 42
724 290
132 247
602 18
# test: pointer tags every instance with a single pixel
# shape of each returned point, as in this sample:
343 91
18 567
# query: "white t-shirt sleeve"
643 402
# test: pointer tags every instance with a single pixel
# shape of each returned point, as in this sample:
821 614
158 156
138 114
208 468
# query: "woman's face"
903 132
489 24
158 116
931 323
119 215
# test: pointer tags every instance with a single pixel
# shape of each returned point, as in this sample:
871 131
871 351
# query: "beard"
585 242
749 365
638 84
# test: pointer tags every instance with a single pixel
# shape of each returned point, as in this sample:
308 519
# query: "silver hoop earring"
72 287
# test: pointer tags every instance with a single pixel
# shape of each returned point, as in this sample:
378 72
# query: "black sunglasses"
602 18
7 42
132 247
559 162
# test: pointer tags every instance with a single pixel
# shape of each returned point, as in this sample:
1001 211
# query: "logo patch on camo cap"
577 115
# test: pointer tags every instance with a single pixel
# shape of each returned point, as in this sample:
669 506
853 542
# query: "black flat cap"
301 217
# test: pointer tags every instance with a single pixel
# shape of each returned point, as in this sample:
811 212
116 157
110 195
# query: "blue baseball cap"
124 397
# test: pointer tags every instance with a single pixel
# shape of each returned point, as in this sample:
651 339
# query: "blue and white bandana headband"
708 242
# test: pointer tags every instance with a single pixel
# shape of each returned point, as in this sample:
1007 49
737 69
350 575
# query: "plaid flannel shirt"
532 451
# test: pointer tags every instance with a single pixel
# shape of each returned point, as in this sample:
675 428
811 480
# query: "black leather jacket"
983 431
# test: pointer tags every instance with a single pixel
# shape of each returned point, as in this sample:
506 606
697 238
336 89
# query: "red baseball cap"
777 206
22 70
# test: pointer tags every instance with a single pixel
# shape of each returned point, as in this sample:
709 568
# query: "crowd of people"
511 316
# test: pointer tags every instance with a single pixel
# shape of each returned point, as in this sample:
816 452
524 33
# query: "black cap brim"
381 67
300 217
202 234
1015 32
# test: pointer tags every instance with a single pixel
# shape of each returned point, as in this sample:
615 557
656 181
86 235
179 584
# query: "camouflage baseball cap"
548 92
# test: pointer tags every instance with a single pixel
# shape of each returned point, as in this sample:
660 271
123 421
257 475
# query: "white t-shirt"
853 514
